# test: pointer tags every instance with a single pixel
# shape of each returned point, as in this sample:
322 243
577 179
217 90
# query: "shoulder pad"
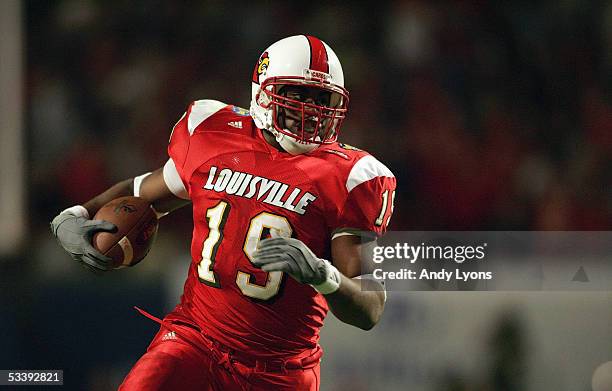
366 168
200 111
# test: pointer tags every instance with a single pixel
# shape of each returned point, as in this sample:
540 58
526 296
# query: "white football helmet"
299 122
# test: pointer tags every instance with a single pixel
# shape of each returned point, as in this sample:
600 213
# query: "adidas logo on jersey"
266 190
169 335
235 124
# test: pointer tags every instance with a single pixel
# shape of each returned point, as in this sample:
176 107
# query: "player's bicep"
156 190
346 255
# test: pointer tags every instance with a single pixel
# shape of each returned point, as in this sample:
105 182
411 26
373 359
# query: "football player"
279 211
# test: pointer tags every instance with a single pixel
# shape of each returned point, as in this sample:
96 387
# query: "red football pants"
184 360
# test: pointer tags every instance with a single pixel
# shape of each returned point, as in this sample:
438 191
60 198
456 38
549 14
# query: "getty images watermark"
404 252
494 260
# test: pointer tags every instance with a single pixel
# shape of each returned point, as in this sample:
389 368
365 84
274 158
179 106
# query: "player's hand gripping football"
292 256
75 233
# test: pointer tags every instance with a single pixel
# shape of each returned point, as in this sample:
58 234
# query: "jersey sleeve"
180 139
178 145
368 206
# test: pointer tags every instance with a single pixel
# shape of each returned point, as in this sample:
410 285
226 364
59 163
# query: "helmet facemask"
305 112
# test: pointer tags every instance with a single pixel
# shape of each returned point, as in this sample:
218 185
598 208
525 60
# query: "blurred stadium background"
493 116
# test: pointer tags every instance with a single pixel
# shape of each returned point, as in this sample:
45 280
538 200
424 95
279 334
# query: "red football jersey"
243 190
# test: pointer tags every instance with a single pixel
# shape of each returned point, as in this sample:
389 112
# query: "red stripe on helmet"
318 55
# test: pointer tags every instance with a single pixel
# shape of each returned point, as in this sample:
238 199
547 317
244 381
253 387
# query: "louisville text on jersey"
269 191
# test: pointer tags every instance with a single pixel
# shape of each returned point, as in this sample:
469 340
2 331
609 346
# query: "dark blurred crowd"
493 115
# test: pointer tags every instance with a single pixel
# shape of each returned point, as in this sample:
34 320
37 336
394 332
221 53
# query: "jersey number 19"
260 226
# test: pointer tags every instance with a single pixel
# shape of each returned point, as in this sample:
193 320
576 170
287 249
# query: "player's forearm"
151 187
356 306
123 188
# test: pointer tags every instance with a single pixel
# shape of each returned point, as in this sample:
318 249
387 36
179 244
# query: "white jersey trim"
173 180
338 234
366 168
202 110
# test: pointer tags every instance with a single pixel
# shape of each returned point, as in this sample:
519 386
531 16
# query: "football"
137 225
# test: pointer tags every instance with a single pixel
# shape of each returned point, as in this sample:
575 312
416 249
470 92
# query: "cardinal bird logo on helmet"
261 67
